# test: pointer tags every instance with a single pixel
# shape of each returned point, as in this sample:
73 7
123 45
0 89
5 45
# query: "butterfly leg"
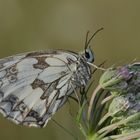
76 94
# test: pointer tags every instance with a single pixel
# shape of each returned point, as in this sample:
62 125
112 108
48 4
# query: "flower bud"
121 79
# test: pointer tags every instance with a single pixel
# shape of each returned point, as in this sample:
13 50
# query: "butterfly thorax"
81 72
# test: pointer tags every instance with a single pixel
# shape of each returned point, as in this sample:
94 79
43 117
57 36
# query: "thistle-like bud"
122 79
124 83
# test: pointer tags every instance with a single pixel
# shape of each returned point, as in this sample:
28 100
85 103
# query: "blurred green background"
28 25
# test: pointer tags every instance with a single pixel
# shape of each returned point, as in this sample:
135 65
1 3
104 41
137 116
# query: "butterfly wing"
34 86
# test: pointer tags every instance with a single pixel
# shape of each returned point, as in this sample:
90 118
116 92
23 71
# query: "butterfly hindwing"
34 86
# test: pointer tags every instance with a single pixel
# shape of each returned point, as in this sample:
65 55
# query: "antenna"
87 42
86 39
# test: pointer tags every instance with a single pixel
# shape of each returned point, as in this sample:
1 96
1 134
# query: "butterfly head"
89 55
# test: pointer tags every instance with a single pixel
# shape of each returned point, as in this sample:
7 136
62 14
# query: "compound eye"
89 55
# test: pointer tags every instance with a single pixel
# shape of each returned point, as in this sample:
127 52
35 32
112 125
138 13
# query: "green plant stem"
127 136
92 100
92 137
118 124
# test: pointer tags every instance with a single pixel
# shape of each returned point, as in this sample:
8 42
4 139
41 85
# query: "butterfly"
34 85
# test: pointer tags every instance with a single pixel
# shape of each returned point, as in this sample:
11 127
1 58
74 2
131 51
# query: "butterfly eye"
89 55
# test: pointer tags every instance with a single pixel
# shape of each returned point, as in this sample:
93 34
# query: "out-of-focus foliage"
28 25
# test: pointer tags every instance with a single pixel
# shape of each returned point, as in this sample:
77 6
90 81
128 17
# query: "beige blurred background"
28 25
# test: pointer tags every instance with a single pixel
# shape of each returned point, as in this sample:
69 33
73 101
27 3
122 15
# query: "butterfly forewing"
33 86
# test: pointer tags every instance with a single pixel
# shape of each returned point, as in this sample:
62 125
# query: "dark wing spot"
39 84
12 99
41 64
33 114
51 87
34 54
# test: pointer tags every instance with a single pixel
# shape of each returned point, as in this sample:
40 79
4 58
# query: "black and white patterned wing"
34 86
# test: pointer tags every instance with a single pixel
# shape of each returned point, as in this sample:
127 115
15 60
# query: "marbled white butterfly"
33 86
